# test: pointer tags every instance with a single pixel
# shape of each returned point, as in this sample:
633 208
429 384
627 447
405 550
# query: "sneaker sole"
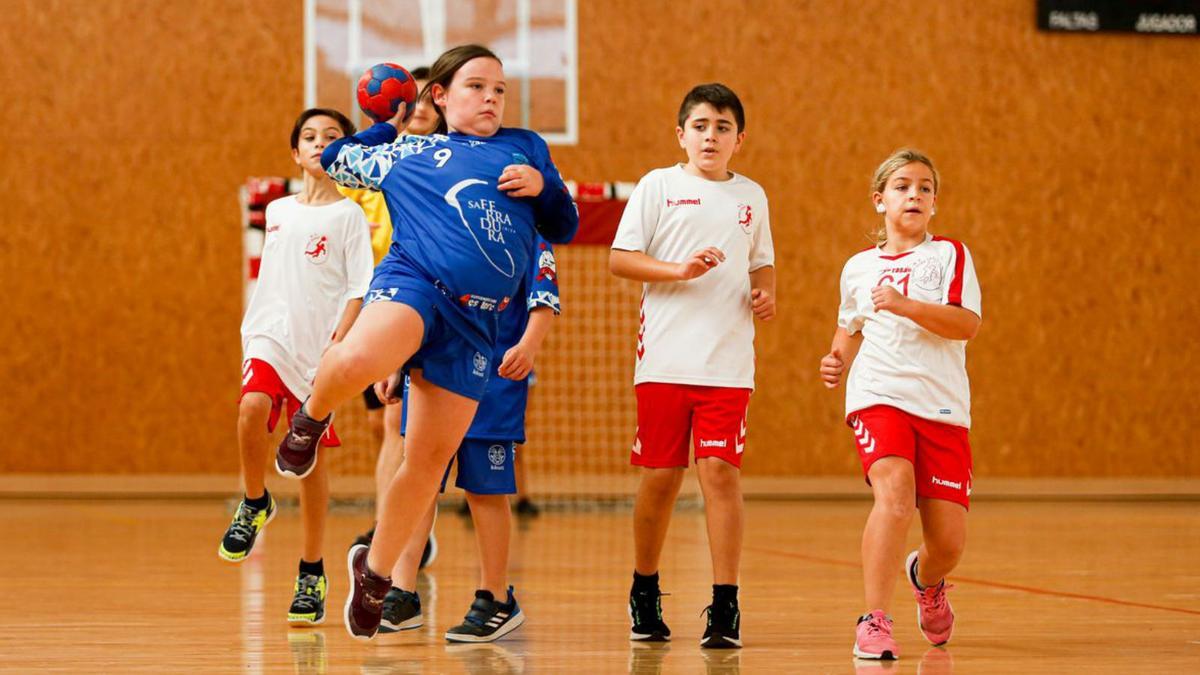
350 597
912 581
410 624
305 621
221 547
511 625
288 473
721 642
885 655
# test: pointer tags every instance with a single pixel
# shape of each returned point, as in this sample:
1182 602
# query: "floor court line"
985 582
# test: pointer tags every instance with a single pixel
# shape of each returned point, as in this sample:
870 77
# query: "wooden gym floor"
1045 587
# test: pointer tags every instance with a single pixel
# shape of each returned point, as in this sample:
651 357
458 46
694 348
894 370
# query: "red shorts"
258 376
671 415
940 453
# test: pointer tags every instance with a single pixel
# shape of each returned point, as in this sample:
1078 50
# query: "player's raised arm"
362 160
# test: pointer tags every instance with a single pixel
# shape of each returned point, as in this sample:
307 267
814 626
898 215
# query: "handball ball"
383 88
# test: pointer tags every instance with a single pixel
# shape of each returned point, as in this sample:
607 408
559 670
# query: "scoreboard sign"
1170 17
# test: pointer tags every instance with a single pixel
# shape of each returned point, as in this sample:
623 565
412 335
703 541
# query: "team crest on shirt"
482 215
496 455
745 217
317 250
927 274
480 365
547 266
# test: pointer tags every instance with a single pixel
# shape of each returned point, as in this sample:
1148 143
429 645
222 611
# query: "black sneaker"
526 508
297 453
364 539
308 604
645 612
243 530
401 611
724 626
487 619
430 552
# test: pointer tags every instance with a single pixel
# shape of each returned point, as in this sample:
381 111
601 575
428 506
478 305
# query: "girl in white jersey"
908 307
316 267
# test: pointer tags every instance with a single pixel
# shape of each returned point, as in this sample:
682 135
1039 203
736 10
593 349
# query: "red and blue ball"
383 88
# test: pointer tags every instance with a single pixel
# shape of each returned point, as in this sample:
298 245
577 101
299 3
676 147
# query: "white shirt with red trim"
700 331
315 259
899 363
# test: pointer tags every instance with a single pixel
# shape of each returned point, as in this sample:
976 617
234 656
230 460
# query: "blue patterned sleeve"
363 160
543 278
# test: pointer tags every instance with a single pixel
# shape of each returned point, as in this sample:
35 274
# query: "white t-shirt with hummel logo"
315 260
699 331
901 364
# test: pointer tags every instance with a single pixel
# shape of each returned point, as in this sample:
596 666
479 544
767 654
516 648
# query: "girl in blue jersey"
464 208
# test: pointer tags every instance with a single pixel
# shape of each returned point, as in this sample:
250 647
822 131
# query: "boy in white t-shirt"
316 268
698 235
908 307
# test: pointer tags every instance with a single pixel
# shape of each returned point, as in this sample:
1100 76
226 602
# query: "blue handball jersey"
452 226
501 413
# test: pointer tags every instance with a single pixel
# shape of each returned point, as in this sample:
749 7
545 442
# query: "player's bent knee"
346 362
947 548
253 410
895 501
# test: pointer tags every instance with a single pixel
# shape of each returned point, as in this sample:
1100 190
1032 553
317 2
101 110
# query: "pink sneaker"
935 616
873 637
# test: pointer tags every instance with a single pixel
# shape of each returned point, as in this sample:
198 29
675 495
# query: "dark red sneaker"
297 453
364 604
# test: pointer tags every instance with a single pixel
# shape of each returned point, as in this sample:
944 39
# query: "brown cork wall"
1068 166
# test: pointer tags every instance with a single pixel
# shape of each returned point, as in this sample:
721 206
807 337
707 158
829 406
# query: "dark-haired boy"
698 236
316 267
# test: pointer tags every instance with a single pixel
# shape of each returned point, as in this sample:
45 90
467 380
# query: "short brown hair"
718 96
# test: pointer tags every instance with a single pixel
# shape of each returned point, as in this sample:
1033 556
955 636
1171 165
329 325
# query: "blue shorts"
484 467
447 358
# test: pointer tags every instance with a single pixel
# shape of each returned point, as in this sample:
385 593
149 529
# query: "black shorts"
369 397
